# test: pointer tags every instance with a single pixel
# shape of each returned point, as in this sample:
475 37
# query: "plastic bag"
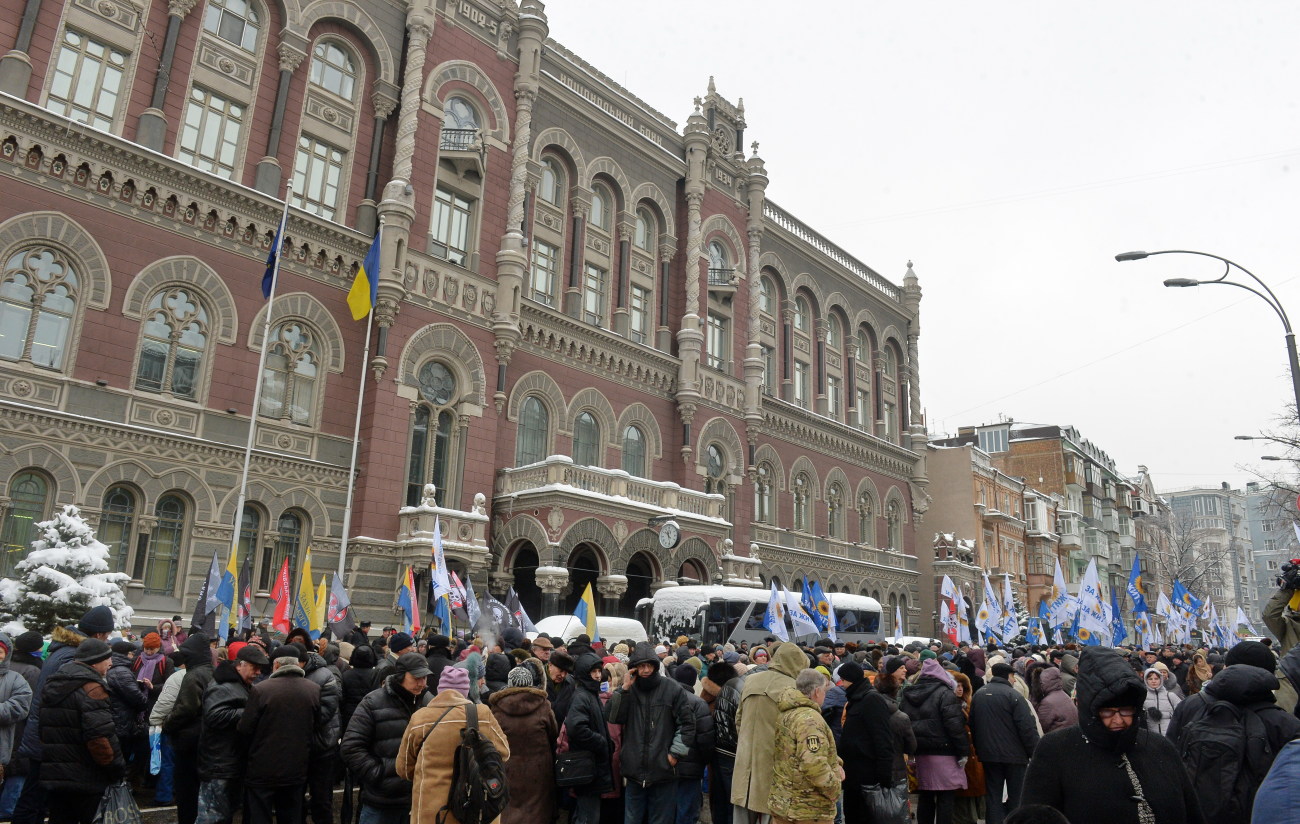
117 806
155 750
886 803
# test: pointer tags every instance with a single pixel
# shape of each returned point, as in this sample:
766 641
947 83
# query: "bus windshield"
856 620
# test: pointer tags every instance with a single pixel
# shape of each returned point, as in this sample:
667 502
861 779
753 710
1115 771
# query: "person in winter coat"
184 724
221 749
1160 704
15 704
658 730
1284 623
1278 798
891 676
756 718
867 742
833 707
428 748
325 746
25 657
129 697
360 680
1004 733
585 730
439 656
690 768
98 622
1247 682
1198 676
374 736
1119 761
559 683
1055 709
968 804
81 755
1069 672
167 636
807 772
524 714
725 730
280 720
941 741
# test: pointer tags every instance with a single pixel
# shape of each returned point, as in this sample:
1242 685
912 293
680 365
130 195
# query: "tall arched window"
802 315
802 492
38 296
288 541
29 500
157 567
289 379
530 442
834 335
634 452
586 440
250 535
432 434
551 187
764 497
460 124
333 69
894 516
766 295
718 258
117 526
866 520
646 231
891 362
175 340
602 204
835 511
234 21
715 468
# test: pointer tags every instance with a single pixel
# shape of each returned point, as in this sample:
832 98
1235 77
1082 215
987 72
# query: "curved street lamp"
1267 296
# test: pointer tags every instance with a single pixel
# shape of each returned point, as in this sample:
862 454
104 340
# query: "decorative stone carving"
290 57
429 495
450 288
469 297
555 520
489 303
620 531
431 282
480 504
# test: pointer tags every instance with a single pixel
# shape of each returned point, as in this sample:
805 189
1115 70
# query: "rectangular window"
317 170
542 278
801 383
834 397
994 440
87 81
1031 516
716 343
593 294
1267 526
864 410
451 222
1270 545
210 132
891 421
769 369
639 317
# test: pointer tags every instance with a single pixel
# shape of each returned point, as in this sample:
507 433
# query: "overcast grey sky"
1010 150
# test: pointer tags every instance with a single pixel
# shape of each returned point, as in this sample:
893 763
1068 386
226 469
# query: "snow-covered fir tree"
65 573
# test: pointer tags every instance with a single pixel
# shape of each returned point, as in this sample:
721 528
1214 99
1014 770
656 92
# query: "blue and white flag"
1060 607
774 616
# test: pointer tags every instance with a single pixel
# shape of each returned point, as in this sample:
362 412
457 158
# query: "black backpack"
1227 753
478 777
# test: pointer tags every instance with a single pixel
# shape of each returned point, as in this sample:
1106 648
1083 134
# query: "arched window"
551 187
157 567
432 434
764 500
38 296
601 205
234 21
802 491
891 362
333 69
634 452
117 525
802 315
719 260
586 440
864 347
460 124
835 511
646 231
715 468
250 536
834 335
766 295
289 379
29 500
530 442
894 516
288 540
866 520
175 340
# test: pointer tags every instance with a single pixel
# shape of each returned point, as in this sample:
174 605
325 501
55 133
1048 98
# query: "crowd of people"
429 729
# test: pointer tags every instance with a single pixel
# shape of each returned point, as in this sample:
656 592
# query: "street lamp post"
1267 296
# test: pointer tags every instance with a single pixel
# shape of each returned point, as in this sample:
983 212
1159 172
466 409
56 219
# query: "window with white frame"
766 295
333 69
234 21
546 260
864 410
835 397
802 315
289 378
639 314
644 237
593 294
175 340
38 300
601 201
764 494
768 353
802 384
87 81
452 219
802 492
716 349
210 130
317 174
551 187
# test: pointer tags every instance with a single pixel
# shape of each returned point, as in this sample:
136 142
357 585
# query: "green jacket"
1285 624
756 721
805 774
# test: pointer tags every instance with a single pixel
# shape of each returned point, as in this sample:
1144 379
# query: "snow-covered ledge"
464 534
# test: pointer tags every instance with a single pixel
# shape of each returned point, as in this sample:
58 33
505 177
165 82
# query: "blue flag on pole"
1135 586
821 607
1118 634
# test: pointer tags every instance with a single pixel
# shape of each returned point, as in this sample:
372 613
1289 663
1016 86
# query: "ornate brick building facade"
587 316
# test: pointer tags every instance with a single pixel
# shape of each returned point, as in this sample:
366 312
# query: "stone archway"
584 568
524 563
640 572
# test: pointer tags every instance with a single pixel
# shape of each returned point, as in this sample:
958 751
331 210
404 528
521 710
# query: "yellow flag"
318 609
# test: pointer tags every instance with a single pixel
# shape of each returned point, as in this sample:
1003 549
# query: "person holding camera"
1283 620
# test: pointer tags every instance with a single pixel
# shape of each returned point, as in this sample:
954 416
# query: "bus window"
852 620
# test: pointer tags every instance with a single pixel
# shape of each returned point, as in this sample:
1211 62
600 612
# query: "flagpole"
261 364
356 431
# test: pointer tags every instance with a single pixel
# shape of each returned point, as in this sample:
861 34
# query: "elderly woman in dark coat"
524 713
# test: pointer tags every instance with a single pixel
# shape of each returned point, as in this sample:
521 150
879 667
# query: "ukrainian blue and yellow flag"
1135 586
226 592
586 613
1185 600
408 603
364 293
304 605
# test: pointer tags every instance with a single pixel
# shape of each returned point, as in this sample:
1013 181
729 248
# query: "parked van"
611 629
726 614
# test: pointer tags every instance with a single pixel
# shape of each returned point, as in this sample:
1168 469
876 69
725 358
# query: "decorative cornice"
597 351
798 425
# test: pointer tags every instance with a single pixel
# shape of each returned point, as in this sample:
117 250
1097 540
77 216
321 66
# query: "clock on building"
670 535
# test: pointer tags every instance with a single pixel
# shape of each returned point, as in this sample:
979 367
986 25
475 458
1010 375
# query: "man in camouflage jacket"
807 771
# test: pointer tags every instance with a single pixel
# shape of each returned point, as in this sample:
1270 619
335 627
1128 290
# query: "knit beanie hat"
928 653
29 642
851 672
122 647
892 665
96 620
92 651
454 678
520 677
685 674
398 642
152 640
1251 653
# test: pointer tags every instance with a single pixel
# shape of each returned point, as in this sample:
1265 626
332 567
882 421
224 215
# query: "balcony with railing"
722 280
463 148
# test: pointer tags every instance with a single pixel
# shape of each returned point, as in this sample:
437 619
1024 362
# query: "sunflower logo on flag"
823 608
1084 634
984 614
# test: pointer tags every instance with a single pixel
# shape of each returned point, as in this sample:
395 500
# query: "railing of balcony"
561 471
458 140
722 277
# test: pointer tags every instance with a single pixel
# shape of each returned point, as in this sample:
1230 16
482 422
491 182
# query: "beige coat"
756 721
429 750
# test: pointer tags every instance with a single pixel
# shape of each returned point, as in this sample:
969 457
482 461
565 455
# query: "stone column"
612 589
621 285
819 405
787 352
552 581
690 338
367 216
268 174
151 129
916 422
16 66
578 208
664 335
756 190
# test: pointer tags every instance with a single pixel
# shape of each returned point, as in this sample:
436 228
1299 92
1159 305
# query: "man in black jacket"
361 679
439 656
325 746
866 742
658 729
588 732
81 755
221 750
374 735
279 722
725 735
1002 726
185 723
690 769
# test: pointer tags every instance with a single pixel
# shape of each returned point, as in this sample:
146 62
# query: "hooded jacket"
1160 704
281 717
1069 672
585 725
128 697
805 775
360 680
1055 709
81 749
373 738
221 749
1002 724
1281 788
700 756
525 716
657 720
1089 749
751 782
331 697
63 644
1248 687
938 720
185 721
15 704
867 741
